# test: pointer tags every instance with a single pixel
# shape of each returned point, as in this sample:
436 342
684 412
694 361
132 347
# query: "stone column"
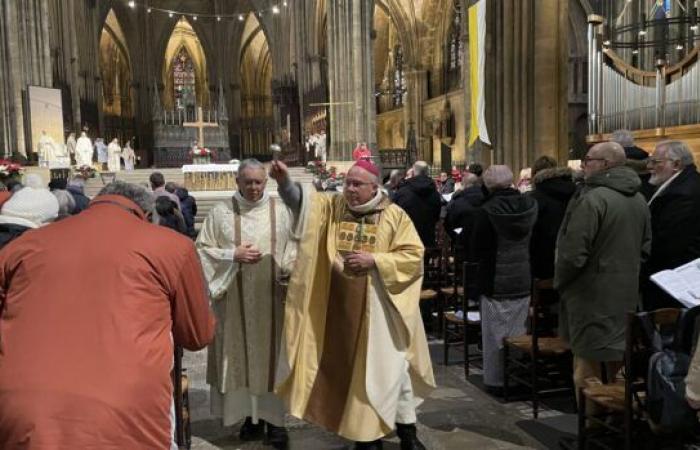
350 65
526 77
26 61
416 94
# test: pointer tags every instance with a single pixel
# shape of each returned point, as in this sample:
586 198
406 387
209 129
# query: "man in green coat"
604 237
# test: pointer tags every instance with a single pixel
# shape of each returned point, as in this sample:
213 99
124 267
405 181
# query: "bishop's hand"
279 172
359 263
247 253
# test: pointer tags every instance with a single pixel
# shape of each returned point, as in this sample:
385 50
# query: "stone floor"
458 415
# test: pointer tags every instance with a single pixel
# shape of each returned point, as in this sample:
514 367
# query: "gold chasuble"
348 341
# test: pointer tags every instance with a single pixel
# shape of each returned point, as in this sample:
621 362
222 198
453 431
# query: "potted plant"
10 170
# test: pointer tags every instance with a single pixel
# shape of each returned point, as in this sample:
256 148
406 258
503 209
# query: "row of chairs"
541 361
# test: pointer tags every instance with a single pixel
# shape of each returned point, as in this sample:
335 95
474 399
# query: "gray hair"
678 151
623 137
498 177
133 192
66 202
421 168
469 179
250 163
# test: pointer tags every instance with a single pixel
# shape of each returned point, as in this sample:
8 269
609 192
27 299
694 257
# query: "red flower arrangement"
9 168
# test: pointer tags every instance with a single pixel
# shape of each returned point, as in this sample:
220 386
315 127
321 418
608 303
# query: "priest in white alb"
247 247
354 354
83 151
114 155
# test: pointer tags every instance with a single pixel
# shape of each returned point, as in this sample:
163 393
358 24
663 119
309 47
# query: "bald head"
612 152
603 156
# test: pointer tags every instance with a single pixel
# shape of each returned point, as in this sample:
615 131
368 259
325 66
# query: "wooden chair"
430 291
461 330
623 399
540 360
183 432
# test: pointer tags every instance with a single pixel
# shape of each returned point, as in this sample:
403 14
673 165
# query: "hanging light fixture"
132 4
275 9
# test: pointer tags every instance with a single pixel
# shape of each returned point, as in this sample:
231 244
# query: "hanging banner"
477 64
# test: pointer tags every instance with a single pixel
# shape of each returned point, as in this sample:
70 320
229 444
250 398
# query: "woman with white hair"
500 244
27 209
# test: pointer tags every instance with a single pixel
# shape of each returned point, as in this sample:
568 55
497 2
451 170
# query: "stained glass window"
399 77
184 80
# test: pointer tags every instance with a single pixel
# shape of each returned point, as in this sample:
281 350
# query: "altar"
175 133
210 177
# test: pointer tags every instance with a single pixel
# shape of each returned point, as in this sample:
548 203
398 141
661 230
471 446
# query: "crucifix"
200 124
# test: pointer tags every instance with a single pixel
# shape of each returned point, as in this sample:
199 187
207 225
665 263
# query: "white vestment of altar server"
114 154
83 151
248 303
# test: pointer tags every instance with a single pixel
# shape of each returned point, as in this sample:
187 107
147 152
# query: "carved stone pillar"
26 55
526 77
350 63
416 94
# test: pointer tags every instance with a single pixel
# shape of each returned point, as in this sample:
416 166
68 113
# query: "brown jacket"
89 309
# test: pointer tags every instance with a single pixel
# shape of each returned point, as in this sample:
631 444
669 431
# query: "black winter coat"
675 231
81 200
9 232
461 212
419 197
500 244
553 188
188 206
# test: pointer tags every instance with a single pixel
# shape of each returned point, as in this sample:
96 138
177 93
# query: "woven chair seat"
610 396
428 294
452 317
545 345
450 290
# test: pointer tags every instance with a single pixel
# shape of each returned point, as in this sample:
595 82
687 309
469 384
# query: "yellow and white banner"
477 64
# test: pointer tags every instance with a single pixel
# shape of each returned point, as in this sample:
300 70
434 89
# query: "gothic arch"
115 71
185 36
255 71
167 25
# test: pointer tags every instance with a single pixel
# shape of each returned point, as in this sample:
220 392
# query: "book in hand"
682 283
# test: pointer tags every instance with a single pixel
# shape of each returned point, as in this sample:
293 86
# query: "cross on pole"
200 125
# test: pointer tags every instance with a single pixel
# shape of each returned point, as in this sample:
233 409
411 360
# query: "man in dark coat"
675 217
552 189
76 187
500 243
462 208
189 209
604 238
636 159
419 197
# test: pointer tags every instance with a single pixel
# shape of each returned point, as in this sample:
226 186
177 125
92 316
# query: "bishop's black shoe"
374 445
277 437
409 439
252 432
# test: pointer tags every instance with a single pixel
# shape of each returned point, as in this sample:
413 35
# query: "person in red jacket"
90 310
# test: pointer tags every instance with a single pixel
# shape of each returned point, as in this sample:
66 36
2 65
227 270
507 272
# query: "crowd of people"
309 302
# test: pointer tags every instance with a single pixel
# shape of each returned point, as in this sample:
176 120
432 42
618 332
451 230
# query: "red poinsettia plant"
9 168
202 151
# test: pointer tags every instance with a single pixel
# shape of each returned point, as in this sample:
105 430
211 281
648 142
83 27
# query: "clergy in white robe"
114 154
45 149
246 246
83 151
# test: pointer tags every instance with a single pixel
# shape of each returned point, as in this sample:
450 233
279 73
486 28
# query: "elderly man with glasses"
603 239
675 216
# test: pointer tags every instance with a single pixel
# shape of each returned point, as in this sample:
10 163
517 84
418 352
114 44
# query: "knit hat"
368 165
36 205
